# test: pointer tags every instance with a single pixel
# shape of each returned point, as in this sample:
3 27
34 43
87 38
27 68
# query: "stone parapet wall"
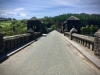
97 43
67 34
86 41
10 42
84 37
59 30
49 30
92 43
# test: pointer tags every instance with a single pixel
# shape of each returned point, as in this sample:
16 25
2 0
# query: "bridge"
54 53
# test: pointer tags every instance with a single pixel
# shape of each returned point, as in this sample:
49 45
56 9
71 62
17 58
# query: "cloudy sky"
25 9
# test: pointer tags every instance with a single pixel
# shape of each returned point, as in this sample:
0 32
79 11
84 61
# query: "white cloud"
22 14
11 13
66 2
8 13
3 14
19 9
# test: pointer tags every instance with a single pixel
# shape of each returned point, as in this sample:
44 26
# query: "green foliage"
89 29
53 27
4 24
92 28
13 27
90 23
86 19
83 30
0 27
96 27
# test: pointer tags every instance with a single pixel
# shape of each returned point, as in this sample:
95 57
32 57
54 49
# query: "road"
50 55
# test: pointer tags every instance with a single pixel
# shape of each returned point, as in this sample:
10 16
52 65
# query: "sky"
25 9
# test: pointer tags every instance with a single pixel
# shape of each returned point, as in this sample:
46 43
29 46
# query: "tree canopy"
86 19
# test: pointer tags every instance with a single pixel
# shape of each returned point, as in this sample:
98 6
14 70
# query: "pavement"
85 51
52 54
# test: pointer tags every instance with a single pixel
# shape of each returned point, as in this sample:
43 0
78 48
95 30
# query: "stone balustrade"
86 41
67 34
10 42
92 43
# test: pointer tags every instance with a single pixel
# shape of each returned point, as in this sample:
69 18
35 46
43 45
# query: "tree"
13 22
0 27
86 19
14 19
92 29
83 30
58 25
96 28
53 27
88 29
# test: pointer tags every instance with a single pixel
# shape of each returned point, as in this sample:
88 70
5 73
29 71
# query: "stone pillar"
65 30
97 43
73 30
1 43
31 31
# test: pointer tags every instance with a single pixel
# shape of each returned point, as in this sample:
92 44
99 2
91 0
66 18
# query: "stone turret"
34 24
73 18
70 22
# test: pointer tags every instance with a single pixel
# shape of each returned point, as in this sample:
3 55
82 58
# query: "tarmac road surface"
50 55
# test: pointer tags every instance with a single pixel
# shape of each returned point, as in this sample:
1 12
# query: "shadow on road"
5 55
3 59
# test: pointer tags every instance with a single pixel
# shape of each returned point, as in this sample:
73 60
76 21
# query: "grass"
7 29
4 24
